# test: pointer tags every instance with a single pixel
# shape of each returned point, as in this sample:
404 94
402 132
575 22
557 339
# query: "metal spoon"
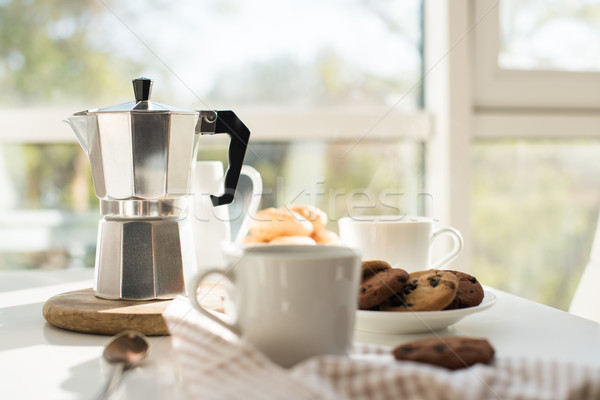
125 350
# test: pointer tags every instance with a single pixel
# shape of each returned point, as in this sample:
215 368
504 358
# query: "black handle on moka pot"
214 122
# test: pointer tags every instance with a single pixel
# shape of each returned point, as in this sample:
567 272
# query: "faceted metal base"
143 259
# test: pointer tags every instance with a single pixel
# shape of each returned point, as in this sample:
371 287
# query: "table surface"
38 360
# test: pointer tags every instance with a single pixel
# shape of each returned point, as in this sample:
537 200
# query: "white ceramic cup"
404 242
290 302
212 225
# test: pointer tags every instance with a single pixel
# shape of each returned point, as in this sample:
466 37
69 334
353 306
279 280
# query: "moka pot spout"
84 129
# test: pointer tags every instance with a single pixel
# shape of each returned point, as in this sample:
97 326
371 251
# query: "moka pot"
142 156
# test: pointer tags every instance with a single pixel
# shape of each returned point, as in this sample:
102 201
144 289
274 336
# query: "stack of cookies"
296 224
385 288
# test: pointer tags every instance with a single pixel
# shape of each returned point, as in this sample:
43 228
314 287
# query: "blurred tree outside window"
534 35
534 214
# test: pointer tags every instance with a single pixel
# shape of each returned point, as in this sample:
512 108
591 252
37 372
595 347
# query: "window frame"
532 104
46 125
564 91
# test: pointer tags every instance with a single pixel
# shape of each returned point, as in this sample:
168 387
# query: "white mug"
291 302
212 225
404 242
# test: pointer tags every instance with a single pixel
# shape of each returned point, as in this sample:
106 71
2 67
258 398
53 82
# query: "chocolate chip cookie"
377 288
469 292
429 290
371 267
448 352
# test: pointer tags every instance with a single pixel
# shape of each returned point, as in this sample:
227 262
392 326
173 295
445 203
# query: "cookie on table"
379 287
448 352
371 267
469 292
430 290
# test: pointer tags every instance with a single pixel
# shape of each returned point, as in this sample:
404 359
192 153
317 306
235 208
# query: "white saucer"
416 322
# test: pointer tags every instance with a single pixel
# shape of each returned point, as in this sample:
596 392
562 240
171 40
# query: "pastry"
469 292
251 239
312 214
293 240
377 288
324 236
429 290
270 223
448 352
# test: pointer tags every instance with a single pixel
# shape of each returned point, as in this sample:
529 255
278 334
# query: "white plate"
415 322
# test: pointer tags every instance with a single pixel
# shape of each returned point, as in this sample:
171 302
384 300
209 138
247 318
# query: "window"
532 35
330 96
214 53
534 189
534 212
518 50
376 178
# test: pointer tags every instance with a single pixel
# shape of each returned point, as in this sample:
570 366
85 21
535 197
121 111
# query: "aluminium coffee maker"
142 156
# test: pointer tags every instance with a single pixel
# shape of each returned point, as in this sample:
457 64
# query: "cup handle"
257 188
195 283
456 248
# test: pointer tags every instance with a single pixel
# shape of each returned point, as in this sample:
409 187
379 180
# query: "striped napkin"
216 364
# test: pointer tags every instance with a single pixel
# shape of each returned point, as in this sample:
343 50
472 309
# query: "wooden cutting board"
82 311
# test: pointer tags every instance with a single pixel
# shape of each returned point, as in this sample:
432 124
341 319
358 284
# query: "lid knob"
142 87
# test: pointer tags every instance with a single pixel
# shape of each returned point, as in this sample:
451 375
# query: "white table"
39 361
